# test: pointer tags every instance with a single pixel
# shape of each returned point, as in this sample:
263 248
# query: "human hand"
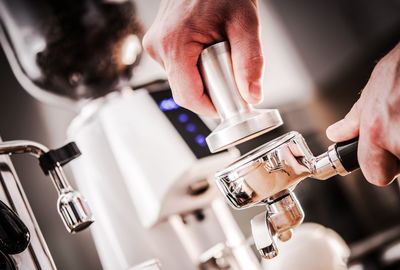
375 118
183 28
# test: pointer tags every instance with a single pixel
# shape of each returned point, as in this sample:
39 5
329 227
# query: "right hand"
183 28
375 118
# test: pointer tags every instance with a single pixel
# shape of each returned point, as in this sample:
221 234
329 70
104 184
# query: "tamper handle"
239 120
347 154
216 70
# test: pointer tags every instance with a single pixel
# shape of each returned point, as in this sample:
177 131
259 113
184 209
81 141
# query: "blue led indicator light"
201 140
191 127
168 104
183 118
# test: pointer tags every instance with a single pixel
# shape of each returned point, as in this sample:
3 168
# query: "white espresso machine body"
141 153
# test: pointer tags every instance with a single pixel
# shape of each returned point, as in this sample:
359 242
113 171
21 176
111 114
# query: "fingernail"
255 92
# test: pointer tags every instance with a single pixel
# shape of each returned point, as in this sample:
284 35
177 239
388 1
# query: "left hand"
375 118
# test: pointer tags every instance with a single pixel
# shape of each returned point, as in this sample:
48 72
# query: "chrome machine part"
37 255
276 166
72 207
239 120
267 175
283 214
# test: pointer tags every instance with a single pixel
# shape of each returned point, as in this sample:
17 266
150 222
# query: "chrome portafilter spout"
283 213
72 207
239 120
267 175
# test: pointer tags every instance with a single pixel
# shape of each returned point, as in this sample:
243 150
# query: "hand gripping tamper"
239 120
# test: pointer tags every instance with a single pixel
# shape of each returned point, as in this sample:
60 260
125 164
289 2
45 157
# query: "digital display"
188 124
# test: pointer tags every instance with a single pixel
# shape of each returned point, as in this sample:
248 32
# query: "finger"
348 127
186 83
379 166
243 33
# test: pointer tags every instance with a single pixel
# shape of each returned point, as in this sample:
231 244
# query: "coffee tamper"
72 207
268 174
239 120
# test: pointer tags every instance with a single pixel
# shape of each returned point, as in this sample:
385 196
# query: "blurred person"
183 28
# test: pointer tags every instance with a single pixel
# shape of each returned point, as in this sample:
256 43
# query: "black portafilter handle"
347 154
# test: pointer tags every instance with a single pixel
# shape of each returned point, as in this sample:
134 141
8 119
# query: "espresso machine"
146 168
146 158
267 175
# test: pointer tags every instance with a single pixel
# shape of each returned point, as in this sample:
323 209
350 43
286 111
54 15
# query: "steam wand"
72 206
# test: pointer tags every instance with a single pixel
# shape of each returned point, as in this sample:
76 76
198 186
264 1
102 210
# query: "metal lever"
239 120
72 207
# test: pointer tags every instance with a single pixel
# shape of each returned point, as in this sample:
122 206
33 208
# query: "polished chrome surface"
37 256
266 176
239 120
74 211
272 168
263 237
72 207
335 161
282 215
21 147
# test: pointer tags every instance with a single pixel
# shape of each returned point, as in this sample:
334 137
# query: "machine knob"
239 120
14 235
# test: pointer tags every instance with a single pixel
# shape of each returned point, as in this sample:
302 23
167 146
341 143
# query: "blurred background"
319 55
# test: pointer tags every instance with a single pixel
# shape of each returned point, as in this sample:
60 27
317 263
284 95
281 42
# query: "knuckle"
245 17
155 41
379 181
254 67
147 42
183 100
373 175
394 104
374 129
165 41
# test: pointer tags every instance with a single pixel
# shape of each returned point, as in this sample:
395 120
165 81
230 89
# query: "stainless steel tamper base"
243 127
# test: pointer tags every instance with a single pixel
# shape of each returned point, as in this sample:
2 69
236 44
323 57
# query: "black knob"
60 156
14 235
347 153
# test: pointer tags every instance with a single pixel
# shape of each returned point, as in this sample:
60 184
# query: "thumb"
247 57
348 127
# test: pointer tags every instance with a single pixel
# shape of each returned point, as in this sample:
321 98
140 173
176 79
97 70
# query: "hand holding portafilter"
267 174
